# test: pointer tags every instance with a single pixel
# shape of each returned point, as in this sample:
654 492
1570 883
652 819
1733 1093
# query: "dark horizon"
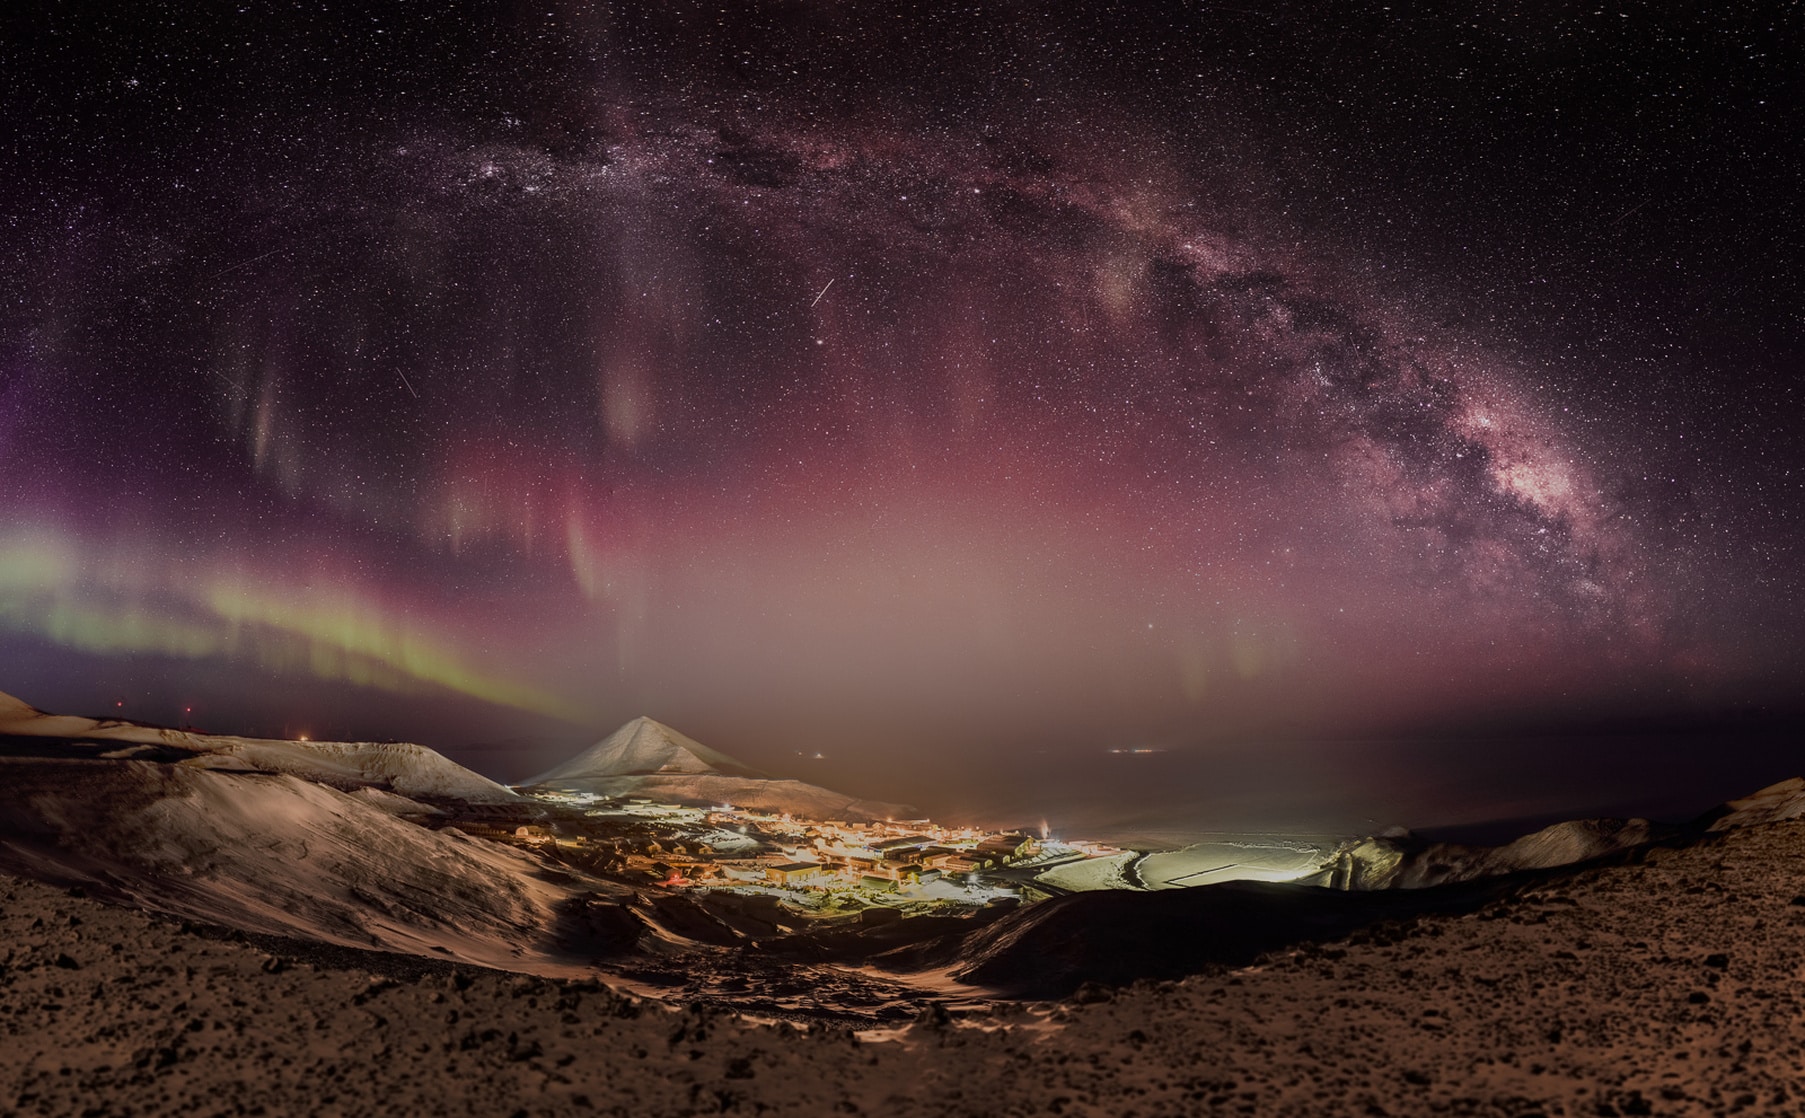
921 389
1447 786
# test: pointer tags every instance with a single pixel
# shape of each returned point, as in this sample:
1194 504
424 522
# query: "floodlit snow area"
1274 858
1235 858
1091 873
727 841
645 809
971 893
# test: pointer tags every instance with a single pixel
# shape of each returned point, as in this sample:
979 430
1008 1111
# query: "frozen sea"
1310 792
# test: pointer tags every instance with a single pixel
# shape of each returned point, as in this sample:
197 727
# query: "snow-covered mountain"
400 767
645 747
647 758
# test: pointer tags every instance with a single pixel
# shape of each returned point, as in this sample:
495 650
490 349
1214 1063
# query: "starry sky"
939 388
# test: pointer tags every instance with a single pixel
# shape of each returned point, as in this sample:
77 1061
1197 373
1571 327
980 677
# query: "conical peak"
646 746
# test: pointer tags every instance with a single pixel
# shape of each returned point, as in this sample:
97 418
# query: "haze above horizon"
956 407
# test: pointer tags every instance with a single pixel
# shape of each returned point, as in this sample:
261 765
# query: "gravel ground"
1670 985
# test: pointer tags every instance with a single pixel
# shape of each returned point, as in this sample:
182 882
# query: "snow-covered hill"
401 767
1408 862
273 853
21 718
1404 861
1785 800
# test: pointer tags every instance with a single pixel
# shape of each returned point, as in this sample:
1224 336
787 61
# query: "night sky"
937 389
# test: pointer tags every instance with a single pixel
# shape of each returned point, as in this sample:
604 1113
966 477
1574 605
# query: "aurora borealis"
822 376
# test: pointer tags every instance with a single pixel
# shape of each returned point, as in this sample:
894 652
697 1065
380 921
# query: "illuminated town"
821 868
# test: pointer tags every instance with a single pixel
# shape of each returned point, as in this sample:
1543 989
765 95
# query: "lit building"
793 873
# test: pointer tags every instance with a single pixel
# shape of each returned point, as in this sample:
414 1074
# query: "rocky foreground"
1666 985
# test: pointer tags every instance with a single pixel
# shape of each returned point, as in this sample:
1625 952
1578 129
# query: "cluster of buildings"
843 855
674 845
